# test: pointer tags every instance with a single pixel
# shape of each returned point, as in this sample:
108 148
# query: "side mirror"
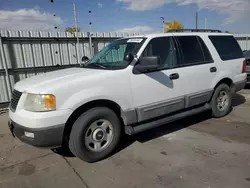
85 59
147 64
129 57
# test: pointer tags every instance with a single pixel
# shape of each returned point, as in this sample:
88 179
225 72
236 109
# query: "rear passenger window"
207 56
193 50
227 47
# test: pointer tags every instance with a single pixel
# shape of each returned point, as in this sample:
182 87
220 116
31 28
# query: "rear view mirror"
85 59
147 64
129 57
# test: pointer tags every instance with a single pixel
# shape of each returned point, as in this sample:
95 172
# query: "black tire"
81 125
215 111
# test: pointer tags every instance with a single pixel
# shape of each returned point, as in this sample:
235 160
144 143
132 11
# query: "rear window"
227 47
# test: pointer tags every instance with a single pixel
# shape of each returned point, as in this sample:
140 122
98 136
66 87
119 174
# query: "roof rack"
195 30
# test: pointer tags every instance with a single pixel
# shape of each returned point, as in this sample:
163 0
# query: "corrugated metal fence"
244 40
25 53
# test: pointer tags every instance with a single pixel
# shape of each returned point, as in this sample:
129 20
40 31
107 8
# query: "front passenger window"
162 47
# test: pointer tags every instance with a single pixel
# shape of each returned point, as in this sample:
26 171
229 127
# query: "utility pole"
90 44
77 35
205 22
90 37
196 19
163 24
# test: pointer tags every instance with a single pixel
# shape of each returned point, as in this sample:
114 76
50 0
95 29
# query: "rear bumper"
240 85
248 78
50 137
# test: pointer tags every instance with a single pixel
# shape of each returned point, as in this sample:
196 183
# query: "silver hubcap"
99 135
222 101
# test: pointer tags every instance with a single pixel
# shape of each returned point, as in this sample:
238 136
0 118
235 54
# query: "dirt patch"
227 131
204 152
163 153
27 169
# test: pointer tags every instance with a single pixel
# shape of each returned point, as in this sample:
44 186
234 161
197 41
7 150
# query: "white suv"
133 84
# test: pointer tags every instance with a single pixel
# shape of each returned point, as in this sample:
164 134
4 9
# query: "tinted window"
227 47
164 48
193 50
206 53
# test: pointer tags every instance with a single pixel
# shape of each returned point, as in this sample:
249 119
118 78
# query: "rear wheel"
221 102
95 134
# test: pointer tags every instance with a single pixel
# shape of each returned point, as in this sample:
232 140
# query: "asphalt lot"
195 152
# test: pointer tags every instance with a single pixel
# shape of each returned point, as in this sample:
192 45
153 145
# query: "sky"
124 15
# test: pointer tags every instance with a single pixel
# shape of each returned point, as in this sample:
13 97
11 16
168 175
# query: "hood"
44 81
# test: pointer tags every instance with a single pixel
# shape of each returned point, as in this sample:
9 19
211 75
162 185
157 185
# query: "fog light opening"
28 134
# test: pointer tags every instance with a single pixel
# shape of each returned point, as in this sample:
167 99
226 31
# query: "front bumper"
41 129
50 137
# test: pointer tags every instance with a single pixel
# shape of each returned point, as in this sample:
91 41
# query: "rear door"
196 69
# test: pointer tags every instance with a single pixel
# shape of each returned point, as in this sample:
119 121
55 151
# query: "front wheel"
221 102
95 134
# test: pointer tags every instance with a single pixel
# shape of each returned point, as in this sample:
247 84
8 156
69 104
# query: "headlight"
40 103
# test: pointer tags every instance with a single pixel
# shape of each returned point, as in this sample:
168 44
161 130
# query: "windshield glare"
113 55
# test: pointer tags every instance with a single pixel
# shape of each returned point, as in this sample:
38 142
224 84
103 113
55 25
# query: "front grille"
14 100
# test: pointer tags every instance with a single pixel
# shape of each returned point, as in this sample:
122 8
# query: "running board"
130 130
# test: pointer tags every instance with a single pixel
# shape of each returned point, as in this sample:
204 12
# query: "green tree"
173 25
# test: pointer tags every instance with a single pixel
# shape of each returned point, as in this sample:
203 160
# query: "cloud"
136 29
28 19
234 9
141 5
100 5
36 7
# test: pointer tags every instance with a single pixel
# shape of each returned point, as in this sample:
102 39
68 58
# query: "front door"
159 91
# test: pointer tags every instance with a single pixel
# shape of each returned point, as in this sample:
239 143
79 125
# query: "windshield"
113 55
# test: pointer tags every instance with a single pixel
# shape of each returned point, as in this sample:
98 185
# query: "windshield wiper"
96 65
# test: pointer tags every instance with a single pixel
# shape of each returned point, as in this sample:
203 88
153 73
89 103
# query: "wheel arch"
227 81
91 104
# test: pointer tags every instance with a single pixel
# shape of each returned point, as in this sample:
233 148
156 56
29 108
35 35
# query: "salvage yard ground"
196 152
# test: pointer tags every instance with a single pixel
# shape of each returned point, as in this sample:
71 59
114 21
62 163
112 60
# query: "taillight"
244 66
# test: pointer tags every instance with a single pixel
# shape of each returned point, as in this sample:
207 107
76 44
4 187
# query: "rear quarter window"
227 47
